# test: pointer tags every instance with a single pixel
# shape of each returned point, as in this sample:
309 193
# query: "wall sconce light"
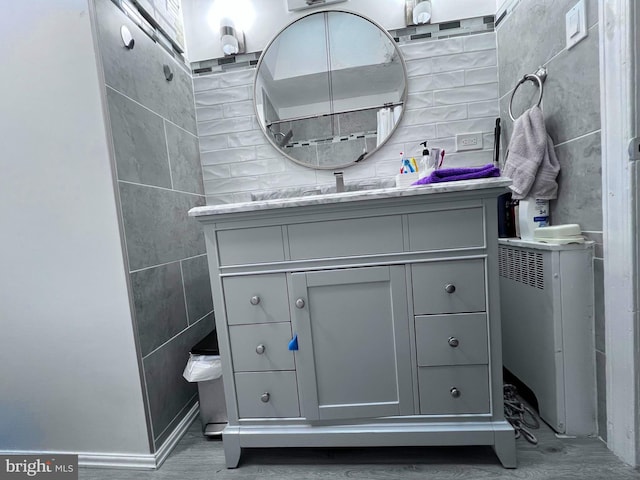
417 12
232 40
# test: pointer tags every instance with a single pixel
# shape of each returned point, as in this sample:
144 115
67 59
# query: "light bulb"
422 13
229 44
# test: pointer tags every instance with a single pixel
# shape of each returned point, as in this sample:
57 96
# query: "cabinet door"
353 335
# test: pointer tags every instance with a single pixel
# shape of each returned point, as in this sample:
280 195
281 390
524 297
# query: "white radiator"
546 294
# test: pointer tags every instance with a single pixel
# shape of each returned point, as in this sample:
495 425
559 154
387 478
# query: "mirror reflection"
330 89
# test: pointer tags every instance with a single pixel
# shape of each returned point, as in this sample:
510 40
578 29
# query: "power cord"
521 417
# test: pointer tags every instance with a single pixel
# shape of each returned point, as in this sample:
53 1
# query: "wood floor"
197 458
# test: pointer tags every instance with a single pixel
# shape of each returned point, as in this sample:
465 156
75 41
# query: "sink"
307 191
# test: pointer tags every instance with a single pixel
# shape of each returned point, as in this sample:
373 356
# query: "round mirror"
330 89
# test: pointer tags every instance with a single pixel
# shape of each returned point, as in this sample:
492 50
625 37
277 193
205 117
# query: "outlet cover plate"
576 24
468 141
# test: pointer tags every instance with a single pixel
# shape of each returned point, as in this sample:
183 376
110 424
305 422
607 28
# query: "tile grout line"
198 92
166 147
167 263
580 137
175 336
161 188
184 293
154 112
146 393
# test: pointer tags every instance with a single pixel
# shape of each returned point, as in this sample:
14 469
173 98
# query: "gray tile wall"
452 89
159 179
533 34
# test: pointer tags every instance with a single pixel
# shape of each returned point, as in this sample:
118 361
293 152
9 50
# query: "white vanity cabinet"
392 297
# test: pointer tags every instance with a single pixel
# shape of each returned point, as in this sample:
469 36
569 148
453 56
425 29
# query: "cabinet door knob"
455 393
265 397
260 349
300 303
454 342
255 300
450 288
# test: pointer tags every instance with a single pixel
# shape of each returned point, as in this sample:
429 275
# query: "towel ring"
539 77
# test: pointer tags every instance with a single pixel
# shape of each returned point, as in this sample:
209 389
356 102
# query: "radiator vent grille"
522 266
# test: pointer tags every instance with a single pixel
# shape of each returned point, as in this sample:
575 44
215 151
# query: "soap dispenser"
426 165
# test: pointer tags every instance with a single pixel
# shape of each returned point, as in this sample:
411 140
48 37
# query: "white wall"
272 16
69 379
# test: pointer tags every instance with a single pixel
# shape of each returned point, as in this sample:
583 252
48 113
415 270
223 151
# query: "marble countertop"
350 196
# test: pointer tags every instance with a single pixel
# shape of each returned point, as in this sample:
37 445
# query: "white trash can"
205 368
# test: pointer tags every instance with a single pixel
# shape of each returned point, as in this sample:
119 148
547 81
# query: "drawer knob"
260 349
454 342
455 393
265 397
255 300
300 303
450 288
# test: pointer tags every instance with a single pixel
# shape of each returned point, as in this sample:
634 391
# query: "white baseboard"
178 432
99 460
135 462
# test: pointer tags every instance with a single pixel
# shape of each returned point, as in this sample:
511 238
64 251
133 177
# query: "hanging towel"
453 174
545 186
531 162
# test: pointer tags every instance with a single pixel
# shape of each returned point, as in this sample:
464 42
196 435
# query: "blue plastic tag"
293 344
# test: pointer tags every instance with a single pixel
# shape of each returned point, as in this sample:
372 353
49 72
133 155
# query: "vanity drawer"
446 229
250 245
449 286
343 238
454 390
256 299
267 395
459 339
257 348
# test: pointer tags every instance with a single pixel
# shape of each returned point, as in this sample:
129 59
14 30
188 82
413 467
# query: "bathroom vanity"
392 296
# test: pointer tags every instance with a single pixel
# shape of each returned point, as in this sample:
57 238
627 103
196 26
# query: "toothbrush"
441 159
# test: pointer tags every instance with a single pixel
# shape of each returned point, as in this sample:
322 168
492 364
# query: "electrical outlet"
468 141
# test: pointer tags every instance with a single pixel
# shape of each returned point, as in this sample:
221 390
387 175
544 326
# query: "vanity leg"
232 449
505 446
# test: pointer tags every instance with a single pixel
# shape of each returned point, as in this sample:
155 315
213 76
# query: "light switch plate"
576 24
468 141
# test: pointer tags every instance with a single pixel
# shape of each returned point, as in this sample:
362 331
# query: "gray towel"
531 162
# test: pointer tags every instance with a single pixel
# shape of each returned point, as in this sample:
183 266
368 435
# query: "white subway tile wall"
452 89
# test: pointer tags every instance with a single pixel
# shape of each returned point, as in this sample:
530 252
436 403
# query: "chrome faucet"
339 182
